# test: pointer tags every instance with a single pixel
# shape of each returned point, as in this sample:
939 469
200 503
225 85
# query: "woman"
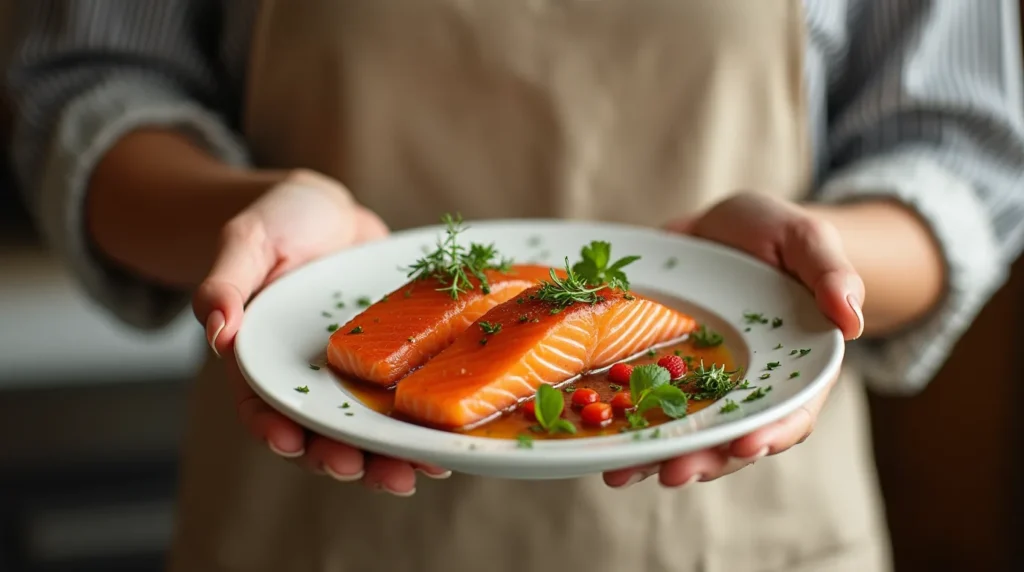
208 148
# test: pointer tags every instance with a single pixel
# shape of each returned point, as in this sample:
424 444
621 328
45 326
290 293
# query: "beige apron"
634 111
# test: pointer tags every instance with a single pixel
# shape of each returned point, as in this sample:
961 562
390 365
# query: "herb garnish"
523 318
615 387
349 414
332 327
765 376
671 263
524 441
314 367
755 318
651 353
345 405
569 388
772 365
364 302
340 305
711 383
778 347
744 385
356 330
651 387
452 264
757 394
548 410
794 374
325 314
490 328
776 323
594 267
729 407
705 338
302 389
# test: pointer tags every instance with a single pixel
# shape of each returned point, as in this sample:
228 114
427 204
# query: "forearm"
895 254
156 205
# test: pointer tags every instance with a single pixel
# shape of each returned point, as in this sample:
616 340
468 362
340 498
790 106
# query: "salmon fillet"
481 375
410 325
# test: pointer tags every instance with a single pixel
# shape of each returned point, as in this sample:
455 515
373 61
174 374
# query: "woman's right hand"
302 218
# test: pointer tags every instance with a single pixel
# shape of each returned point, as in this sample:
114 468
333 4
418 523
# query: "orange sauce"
515 423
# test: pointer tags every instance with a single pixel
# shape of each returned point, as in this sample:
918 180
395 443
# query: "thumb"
241 267
813 251
683 225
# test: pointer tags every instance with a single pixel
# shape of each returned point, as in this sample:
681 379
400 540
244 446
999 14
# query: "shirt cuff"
904 363
88 127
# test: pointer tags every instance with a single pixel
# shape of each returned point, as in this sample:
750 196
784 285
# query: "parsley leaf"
594 267
757 394
729 407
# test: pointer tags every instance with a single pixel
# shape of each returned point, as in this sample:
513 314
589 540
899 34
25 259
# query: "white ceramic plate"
284 330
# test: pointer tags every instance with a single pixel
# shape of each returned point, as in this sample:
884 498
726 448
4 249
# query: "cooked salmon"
482 374
410 325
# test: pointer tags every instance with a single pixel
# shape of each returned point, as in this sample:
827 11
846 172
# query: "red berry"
674 364
530 410
583 397
597 414
622 401
619 373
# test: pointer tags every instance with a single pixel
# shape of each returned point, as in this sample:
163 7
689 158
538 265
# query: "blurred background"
91 415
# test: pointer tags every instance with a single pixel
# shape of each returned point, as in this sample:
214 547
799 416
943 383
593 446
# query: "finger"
284 437
240 268
783 434
683 225
813 251
369 226
699 466
622 478
342 462
391 475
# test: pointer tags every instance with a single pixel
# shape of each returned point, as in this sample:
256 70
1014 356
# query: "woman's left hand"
791 238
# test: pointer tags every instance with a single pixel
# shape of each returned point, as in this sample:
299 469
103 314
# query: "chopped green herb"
776 323
345 405
747 329
452 264
778 347
364 302
340 305
744 385
729 407
689 362
302 389
794 352
554 311
349 414
569 388
757 394
651 353
678 353
794 374
356 330
483 341
705 338
490 328
524 441
615 387
628 297
804 352
523 319
765 376
671 263
711 383
656 433
772 365
326 314
385 298
755 318
520 300
314 367
332 327
548 407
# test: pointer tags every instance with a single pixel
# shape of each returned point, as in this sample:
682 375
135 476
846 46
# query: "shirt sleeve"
926 109
84 74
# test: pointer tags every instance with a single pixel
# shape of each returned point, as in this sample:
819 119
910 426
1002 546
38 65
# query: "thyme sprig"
452 264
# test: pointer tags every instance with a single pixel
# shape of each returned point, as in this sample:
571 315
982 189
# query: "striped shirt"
914 100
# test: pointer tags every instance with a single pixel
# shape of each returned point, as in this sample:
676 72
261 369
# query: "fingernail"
406 494
691 480
758 455
637 477
855 306
285 454
214 325
343 478
436 476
